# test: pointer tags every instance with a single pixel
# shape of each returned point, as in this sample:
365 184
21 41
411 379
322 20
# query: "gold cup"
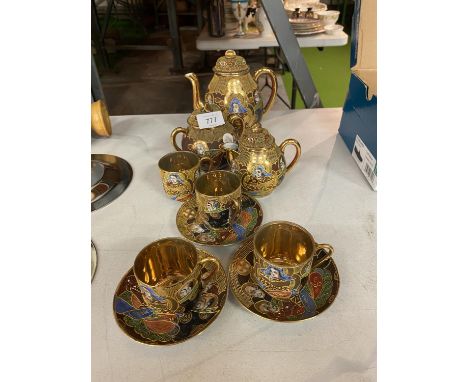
178 172
168 273
218 197
284 255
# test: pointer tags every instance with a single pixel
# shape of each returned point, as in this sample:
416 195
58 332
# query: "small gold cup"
178 172
168 273
218 197
284 255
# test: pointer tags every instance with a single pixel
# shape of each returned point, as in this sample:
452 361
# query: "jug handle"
210 162
233 119
296 144
274 86
174 133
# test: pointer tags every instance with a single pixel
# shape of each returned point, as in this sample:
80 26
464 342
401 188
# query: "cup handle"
327 248
296 144
274 86
237 207
174 133
211 162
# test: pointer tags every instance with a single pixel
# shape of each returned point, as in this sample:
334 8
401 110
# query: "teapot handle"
274 86
296 144
174 133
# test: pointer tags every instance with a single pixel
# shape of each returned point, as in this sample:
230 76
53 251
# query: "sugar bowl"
259 161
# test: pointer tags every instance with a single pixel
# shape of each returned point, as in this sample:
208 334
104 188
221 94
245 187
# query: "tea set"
175 290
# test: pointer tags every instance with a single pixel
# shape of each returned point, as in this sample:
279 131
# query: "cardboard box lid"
366 54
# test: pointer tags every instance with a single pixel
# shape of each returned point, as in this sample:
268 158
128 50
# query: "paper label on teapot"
208 120
366 161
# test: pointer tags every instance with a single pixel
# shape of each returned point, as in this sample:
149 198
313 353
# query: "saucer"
111 177
316 296
93 260
146 325
250 218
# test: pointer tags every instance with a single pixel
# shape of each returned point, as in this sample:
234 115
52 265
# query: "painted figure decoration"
212 205
149 294
282 164
209 99
186 290
228 142
254 291
256 97
196 228
259 172
243 267
200 147
275 274
174 179
206 301
236 107
266 307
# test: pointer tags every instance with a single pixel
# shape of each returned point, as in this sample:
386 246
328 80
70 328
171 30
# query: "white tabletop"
206 42
326 193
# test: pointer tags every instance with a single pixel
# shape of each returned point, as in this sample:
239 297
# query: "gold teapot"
232 87
259 161
207 142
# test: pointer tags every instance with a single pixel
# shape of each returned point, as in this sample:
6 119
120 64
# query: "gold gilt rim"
284 222
238 190
190 153
173 238
204 254
236 74
233 290
93 260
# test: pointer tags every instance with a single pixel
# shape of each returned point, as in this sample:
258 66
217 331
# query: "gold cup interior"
284 244
165 262
217 183
181 160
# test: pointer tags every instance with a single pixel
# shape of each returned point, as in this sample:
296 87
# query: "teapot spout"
197 102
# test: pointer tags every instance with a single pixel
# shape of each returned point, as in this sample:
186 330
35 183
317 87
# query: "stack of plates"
315 7
306 27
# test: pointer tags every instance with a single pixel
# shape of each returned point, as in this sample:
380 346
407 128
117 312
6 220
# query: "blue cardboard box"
360 108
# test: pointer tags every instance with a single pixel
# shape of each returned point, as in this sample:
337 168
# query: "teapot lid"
231 63
256 137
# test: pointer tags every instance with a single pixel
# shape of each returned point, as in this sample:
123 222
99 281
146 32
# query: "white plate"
309 33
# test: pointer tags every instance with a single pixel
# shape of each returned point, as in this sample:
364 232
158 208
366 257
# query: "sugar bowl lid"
256 137
231 63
